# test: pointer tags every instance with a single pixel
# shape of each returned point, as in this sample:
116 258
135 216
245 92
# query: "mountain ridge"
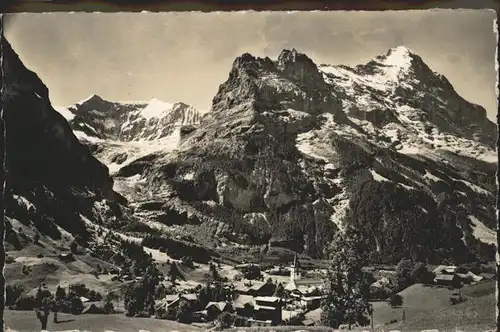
285 150
294 152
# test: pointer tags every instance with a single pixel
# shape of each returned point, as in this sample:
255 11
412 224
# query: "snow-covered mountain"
290 152
129 121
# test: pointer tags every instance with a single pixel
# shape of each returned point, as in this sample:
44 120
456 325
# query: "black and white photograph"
250 171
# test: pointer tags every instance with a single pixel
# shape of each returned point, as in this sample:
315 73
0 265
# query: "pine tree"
347 292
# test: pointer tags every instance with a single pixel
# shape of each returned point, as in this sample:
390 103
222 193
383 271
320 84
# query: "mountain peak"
400 56
92 98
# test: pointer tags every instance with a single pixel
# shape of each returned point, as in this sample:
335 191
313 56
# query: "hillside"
291 151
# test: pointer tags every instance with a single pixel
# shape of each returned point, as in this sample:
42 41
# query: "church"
300 287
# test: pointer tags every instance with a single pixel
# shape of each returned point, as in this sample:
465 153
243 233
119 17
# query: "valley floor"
24 321
425 308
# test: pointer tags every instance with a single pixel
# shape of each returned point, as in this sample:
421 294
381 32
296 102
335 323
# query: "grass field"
429 308
26 321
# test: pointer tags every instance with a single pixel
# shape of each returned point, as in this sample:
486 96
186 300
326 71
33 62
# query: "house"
84 299
445 269
289 314
312 302
244 305
268 308
256 289
312 317
214 309
447 279
190 298
170 298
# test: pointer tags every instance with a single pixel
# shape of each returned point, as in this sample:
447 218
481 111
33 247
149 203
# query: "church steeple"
295 273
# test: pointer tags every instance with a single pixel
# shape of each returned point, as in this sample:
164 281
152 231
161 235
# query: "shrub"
187 261
13 293
25 302
396 300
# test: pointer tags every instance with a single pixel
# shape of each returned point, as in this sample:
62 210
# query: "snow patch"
431 177
155 109
378 177
82 136
482 232
23 201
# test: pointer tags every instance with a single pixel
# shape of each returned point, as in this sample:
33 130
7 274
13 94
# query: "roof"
308 322
269 299
287 314
190 297
257 286
311 298
314 315
170 298
264 307
447 277
447 268
243 300
219 305
291 286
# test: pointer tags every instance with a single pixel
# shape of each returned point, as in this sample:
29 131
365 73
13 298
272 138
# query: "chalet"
256 289
244 305
268 308
190 298
84 299
447 279
214 309
312 302
445 269
170 298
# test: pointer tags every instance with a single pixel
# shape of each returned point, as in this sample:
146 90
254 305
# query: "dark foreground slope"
53 181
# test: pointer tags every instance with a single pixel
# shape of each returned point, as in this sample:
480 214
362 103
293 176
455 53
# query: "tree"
36 238
139 296
347 294
183 314
13 292
403 273
74 247
280 290
214 272
43 316
420 274
396 300
108 303
252 272
60 293
187 261
225 320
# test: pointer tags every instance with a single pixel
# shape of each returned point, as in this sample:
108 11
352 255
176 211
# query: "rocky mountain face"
53 183
130 121
292 152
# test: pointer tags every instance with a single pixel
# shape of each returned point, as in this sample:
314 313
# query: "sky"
185 56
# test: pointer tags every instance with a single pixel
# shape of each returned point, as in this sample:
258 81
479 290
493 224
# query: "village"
294 296
290 297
